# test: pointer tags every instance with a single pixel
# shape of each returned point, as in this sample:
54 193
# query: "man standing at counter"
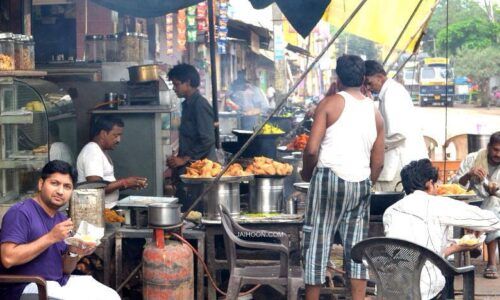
403 140
94 164
477 168
343 156
196 132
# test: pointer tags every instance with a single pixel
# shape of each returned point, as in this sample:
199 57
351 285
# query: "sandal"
490 272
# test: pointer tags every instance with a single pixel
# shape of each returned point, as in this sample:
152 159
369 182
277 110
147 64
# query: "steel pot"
225 193
143 73
164 214
266 195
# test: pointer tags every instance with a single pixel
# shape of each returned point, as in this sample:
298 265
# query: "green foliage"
461 17
478 64
471 33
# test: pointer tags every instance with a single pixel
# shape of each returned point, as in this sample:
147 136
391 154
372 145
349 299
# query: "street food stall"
36 119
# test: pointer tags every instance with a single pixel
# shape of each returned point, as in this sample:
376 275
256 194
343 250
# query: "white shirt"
426 220
347 144
92 161
396 107
61 151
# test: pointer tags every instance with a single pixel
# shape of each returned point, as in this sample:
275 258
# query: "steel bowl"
143 73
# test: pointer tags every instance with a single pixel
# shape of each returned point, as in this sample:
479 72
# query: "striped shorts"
334 204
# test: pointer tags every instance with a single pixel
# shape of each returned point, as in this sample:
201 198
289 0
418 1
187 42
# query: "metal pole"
278 106
213 68
402 31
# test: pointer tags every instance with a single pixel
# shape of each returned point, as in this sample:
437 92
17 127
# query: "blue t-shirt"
24 223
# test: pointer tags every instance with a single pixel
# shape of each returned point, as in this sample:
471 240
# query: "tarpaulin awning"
383 21
146 8
302 14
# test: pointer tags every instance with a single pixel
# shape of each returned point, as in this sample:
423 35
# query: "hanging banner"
169 33
222 27
279 44
192 30
181 29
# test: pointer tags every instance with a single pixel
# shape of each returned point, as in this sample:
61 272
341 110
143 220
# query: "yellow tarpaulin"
382 21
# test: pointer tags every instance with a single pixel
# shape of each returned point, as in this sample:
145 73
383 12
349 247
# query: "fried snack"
41 149
451 189
299 143
236 170
111 216
208 168
266 166
194 215
468 239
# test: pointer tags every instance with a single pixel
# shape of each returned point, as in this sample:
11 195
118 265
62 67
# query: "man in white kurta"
474 169
426 219
404 140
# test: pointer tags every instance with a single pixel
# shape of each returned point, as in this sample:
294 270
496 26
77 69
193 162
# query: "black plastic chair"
282 274
397 266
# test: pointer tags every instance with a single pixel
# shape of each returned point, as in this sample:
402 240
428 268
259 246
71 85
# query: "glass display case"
37 123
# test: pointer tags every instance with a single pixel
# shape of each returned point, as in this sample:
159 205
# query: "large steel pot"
164 214
225 193
266 195
143 73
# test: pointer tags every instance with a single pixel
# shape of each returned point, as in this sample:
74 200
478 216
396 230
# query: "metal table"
146 233
288 224
104 251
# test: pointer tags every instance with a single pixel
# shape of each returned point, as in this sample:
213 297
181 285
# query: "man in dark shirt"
196 132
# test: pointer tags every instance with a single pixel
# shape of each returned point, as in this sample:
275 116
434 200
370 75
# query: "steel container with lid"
164 214
94 48
111 42
87 203
128 45
7 56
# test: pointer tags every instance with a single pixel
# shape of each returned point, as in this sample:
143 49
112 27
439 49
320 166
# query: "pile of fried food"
266 166
111 216
452 189
299 143
208 168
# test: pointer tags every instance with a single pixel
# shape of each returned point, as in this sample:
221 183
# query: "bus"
436 82
410 79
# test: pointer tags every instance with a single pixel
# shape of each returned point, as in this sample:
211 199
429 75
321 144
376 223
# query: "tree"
450 12
358 45
472 33
479 65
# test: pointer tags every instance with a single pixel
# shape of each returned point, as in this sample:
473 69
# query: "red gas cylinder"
167 267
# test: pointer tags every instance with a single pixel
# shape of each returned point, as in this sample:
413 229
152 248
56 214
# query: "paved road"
460 119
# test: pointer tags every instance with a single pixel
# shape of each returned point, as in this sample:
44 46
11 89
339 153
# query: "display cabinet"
37 123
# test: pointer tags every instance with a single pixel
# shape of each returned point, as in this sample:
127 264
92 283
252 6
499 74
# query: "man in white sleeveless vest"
480 171
404 141
344 155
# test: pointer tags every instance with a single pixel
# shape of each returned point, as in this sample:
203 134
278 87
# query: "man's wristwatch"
72 254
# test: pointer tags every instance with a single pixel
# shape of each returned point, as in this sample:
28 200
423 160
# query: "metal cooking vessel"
225 193
164 214
143 73
266 195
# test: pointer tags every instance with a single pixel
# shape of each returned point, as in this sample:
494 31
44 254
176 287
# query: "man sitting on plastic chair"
423 218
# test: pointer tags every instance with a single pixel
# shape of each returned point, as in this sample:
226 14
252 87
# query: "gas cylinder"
167 267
